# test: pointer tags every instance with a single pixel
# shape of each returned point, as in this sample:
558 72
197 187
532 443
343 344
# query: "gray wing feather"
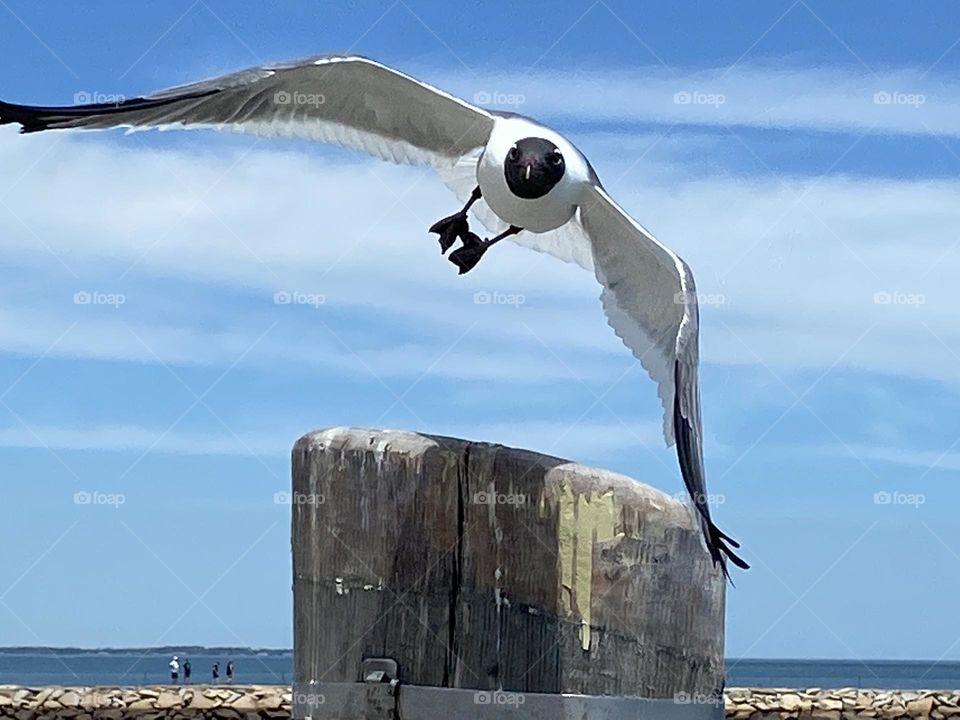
643 293
346 100
650 300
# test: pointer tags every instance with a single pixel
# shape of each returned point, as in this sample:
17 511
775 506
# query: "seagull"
522 180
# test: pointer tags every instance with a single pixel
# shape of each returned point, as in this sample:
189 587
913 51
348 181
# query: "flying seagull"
522 180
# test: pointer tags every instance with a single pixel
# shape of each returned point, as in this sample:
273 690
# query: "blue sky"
810 182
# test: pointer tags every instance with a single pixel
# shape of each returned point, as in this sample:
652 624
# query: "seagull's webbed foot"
467 257
451 228
455 226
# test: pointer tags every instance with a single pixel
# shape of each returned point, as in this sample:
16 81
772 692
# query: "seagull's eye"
556 158
514 153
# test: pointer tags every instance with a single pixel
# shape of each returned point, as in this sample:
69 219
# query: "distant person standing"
216 673
187 669
175 670
229 672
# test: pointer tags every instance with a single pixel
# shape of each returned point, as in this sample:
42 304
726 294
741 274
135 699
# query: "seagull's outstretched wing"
345 100
650 301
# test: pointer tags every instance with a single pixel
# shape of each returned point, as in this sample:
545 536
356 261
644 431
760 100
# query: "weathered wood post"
482 567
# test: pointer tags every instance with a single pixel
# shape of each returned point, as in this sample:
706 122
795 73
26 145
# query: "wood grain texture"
480 566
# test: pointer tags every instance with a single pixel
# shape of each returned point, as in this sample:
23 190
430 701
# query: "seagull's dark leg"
455 226
467 257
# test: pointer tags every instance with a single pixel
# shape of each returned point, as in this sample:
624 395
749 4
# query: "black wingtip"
10 114
720 551
30 118
34 118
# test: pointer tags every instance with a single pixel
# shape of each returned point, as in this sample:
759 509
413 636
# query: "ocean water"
49 668
881 674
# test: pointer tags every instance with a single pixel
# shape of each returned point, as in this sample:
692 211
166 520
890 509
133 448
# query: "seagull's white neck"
540 214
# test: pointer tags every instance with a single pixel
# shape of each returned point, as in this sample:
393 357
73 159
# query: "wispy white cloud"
579 439
796 273
947 459
793 270
903 100
130 438
576 439
572 439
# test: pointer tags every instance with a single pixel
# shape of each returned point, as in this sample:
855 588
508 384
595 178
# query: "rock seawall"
841 704
252 702
239 702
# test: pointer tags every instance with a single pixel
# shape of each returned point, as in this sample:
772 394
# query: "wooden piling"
481 566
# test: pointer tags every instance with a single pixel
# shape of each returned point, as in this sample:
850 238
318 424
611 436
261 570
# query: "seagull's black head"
533 166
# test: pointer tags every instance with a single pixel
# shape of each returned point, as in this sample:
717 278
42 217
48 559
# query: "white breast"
541 214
